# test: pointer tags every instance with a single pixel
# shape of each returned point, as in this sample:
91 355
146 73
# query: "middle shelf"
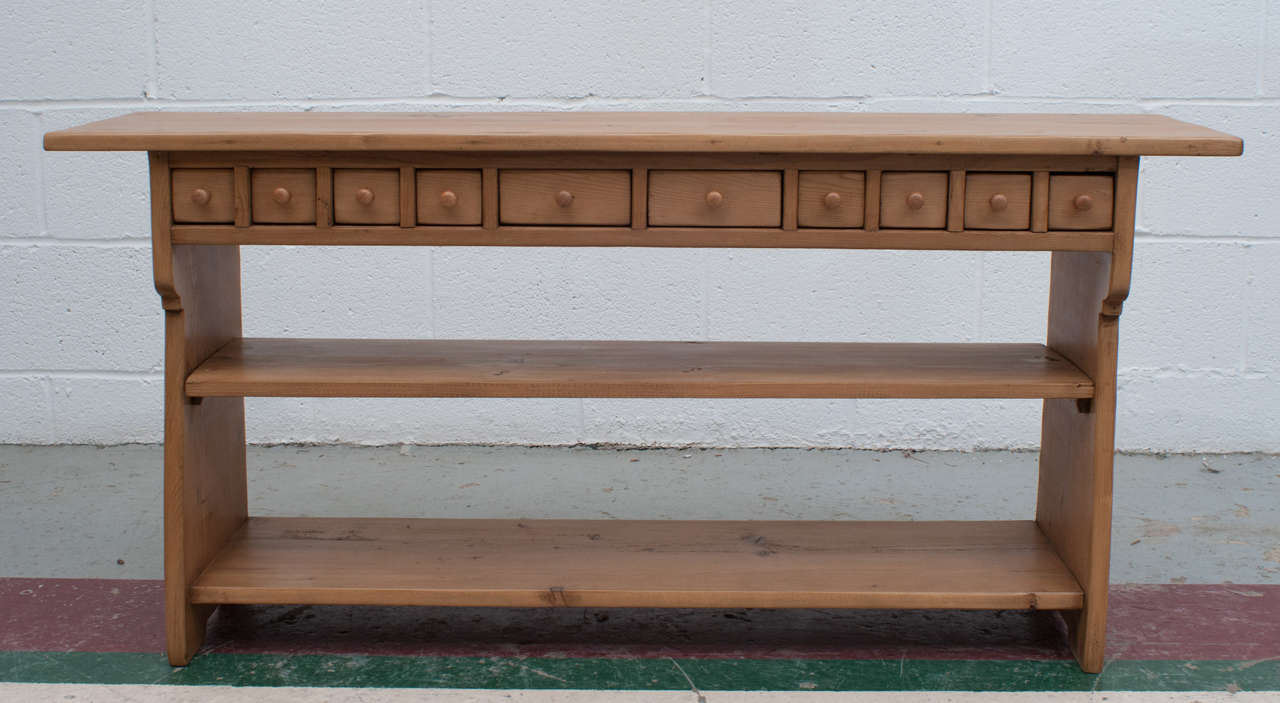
633 369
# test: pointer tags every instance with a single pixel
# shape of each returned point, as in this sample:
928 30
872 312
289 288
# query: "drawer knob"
1083 202
915 201
364 196
999 202
448 199
200 196
715 198
564 198
831 201
281 195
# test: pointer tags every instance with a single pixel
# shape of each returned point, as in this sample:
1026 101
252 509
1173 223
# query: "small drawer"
204 195
831 198
715 198
366 196
536 197
449 197
997 201
283 195
913 200
1079 201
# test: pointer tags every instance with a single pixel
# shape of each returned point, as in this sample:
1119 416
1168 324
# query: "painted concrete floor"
80 558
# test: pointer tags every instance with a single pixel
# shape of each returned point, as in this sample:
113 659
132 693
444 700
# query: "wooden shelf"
622 563
576 369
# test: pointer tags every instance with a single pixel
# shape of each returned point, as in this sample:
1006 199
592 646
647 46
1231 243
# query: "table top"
806 132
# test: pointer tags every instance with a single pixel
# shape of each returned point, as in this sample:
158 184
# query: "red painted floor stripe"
1167 621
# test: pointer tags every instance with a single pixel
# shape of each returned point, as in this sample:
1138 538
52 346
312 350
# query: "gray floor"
94 512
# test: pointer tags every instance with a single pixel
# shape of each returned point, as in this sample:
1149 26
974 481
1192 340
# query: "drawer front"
204 195
715 198
831 198
283 195
537 197
366 196
449 197
997 201
913 200
1079 201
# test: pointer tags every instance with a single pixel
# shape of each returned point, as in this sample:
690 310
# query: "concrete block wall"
80 325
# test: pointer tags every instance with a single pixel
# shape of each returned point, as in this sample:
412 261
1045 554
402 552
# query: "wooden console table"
1060 183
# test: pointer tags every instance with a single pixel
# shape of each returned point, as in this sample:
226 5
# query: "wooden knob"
364 196
564 198
715 198
200 196
1083 202
281 195
831 201
448 199
915 201
999 202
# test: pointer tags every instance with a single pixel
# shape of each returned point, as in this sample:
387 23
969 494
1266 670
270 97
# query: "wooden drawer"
204 195
1080 201
283 195
366 196
997 201
913 200
449 197
715 198
831 198
537 197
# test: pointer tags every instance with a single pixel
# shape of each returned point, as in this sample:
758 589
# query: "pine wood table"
1060 183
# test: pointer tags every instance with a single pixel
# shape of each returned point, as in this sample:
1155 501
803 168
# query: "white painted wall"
80 325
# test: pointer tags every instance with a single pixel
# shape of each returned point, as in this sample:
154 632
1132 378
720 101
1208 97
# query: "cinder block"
1186 309
366 292
555 293
1262 314
947 424
79 308
95 194
413 420
1198 412
68 50
20 179
566 49
26 415
719 422
108 410
829 49
291 49
1216 197
826 295
1015 295
1098 48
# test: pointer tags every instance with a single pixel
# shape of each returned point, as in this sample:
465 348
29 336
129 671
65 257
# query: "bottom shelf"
628 563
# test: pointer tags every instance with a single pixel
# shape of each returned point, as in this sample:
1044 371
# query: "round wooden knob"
281 195
364 196
715 198
1083 202
200 196
448 199
564 198
915 201
831 201
999 202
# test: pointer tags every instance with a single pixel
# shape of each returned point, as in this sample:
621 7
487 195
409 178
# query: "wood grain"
1063 190
528 196
301 205
383 183
814 187
558 369
895 189
464 184
750 198
628 563
219 186
847 133
1016 190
